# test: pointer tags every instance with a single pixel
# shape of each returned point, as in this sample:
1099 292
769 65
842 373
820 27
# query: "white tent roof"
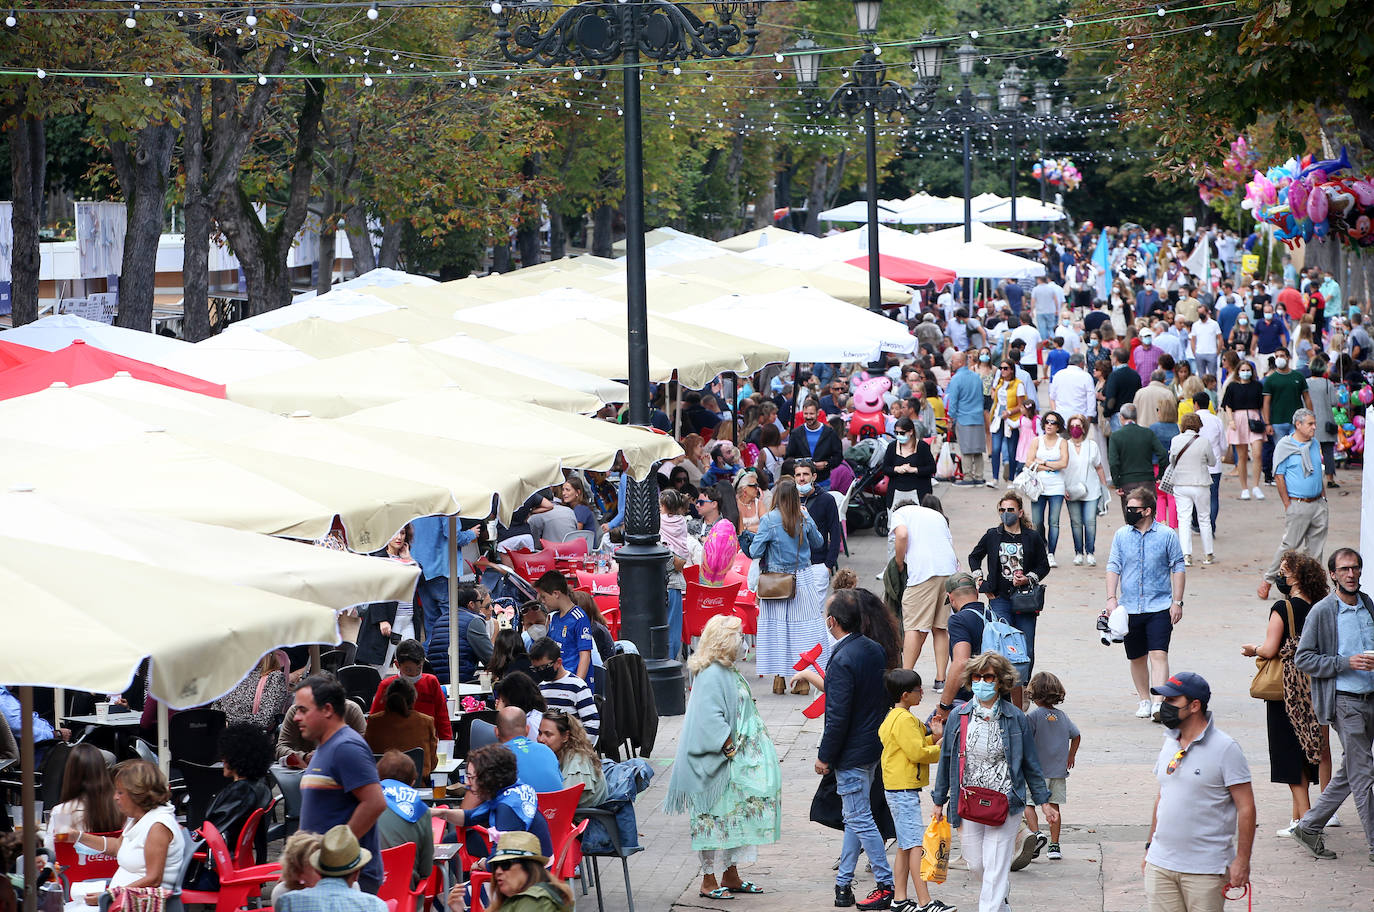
988 236
1027 210
857 211
61 330
377 278
341 304
235 354
970 261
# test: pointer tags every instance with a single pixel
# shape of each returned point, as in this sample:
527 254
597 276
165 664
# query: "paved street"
1110 792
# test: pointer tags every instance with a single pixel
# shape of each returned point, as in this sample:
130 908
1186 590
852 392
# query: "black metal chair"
462 732
360 681
194 736
618 850
203 783
416 755
289 783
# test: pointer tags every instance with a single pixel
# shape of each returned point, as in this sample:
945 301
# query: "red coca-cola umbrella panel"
12 354
907 272
80 363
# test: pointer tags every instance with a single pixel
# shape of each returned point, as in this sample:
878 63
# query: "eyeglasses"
988 676
703 501
1342 570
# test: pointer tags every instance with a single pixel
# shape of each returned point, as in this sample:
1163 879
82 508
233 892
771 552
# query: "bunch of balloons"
1242 159
1307 199
1058 172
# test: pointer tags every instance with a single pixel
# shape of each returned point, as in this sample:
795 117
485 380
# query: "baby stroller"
868 494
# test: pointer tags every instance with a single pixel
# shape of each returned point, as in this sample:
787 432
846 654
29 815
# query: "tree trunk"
195 262
324 273
832 186
602 240
360 240
500 258
782 187
143 167
28 158
390 256
558 233
763 208
815 195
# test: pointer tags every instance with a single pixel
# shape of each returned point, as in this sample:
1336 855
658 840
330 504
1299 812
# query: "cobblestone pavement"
1110 793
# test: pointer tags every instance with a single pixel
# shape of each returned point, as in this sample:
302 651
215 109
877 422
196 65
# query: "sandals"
745 887
717 893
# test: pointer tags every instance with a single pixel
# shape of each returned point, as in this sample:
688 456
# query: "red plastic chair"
236 884
76 867
532 566
701 603
564 864
599 583
398 865
245 854
558 809
692 574
612 616
748 616
575 548
476 882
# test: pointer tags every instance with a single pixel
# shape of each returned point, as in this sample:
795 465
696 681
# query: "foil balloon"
1365 395
1297 199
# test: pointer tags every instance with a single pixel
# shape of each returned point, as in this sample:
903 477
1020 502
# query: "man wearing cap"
1337 651
339 860
1204 816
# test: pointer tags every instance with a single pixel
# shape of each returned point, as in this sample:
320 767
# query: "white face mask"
1280 363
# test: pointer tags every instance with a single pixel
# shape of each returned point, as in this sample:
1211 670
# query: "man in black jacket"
855 705
815 441
1120 387
824 512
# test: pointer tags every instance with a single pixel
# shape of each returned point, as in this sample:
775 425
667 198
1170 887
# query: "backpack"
1001 637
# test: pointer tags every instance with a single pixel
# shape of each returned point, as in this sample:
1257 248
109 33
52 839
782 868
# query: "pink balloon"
1297 199
1318 205
1364 192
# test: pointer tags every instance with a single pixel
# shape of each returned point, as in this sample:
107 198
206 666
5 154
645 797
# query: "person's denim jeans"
1083 525
999 443
674 624
1267 451
1045 323
1022 622
1216 499
860 832
1051 504
434 600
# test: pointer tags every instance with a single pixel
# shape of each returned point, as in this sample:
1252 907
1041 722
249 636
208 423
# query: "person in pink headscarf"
718 551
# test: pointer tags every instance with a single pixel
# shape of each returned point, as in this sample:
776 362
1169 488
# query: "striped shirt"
572 695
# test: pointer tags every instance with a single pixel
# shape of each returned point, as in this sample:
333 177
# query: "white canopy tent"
857 212
61 330
988 236
1027 210
970 261
380 277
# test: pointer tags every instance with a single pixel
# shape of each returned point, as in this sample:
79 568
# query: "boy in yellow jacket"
908 752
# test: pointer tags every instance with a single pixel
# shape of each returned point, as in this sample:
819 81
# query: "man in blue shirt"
339 862
964 405
340 785
1014 296
536 764
568 625
429 547
1302 488
1337 651
1145 575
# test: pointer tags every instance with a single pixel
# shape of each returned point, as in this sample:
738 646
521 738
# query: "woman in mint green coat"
726 775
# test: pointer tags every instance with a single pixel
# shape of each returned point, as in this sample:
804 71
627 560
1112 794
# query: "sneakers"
991 483
1053 563
1288 830
1187 560
1041 840
1027 851
1154 710
880 898
1078 560
939 687
1245 494
1092 560
1209 560
933 906
844 896
1313 843
1334 821
1143 710
1054 854
1257 493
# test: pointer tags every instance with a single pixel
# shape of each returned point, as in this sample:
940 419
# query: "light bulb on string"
367 80
251 18
147 80
41 73
129 21
10 20
372 11
262 80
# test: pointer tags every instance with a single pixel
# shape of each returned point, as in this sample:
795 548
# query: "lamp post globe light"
870 91
597 34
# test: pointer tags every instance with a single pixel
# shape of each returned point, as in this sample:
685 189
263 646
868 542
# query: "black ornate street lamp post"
1009 103
596 34
1044 107
871 92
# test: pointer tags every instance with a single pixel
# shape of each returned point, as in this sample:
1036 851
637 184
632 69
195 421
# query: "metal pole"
164 738
27 798
643 560
453 676
968 200
1014 226
1042 165
875 295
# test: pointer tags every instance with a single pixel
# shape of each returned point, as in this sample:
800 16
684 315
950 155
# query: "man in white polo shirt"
1205 800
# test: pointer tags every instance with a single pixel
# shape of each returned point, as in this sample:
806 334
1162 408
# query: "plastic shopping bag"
935 845
944 463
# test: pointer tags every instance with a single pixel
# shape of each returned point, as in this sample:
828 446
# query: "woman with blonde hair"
988 744
694 461
726 775
563 733
790 622
296 870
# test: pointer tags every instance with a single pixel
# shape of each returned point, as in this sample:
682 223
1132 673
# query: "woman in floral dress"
726 775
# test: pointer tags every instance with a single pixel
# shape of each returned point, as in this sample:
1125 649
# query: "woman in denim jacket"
786 537
999 754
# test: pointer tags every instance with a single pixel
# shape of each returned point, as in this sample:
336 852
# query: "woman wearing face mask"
1049 456
987 372
1192 458
684 551
429 693
726 775
909 466
1299 746
1242 338
1242 401
1008 408
786 539
1084 483
1016 557
988 743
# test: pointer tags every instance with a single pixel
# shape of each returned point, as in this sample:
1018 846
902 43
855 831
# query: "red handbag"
979 805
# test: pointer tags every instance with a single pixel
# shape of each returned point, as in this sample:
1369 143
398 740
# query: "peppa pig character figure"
868 420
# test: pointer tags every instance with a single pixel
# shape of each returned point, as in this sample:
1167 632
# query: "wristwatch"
945 707
1178 602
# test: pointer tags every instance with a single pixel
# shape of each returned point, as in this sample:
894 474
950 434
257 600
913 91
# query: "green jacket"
541 897
1131 452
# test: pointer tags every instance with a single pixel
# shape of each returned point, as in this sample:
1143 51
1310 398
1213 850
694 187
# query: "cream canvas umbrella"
292 569
748 273
988 236
584 443
234 354
760 237
322 338
337 386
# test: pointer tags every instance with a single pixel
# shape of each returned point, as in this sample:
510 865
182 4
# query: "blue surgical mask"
983 690
83 849
903 438
804 489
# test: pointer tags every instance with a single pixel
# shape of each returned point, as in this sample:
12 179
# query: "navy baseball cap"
1187 684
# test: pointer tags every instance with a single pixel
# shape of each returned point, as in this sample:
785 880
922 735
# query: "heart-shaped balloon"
1341 203
1318 206
1297 199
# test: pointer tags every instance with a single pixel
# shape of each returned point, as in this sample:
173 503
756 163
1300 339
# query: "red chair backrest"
398 866
599 583
219 849
567 859
558 808
479 880
749 618
244 854
76 867
741 564
575 548
532 566
611 612
702 603
692 574
439 823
